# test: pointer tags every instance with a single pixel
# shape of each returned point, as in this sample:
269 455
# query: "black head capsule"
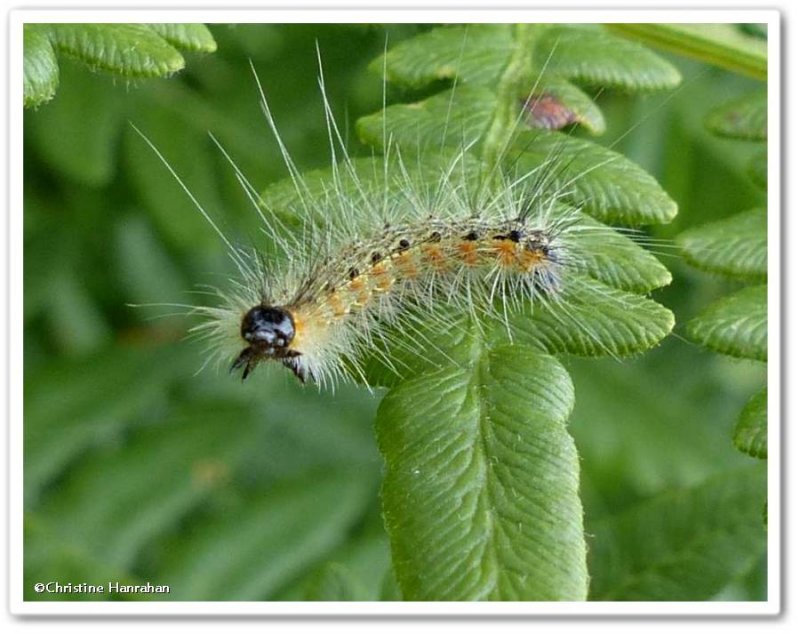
269 330
268 326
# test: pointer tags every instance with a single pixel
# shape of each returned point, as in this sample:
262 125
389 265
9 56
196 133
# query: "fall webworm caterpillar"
384 253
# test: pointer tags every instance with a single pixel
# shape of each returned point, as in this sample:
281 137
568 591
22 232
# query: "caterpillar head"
268 331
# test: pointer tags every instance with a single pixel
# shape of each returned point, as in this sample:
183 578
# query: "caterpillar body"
383 250
331 309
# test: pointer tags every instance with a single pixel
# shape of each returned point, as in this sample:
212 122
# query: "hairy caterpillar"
373 254
325 307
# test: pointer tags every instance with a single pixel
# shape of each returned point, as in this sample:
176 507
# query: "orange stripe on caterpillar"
348 287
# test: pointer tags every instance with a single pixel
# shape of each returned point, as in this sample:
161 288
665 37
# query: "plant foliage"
708 534
515 529
741 48
131 51
481 492
468 447
498 473
736 247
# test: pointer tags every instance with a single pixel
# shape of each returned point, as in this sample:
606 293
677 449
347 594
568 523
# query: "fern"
736 247
131 51
481 488
269 492
708 533
480 496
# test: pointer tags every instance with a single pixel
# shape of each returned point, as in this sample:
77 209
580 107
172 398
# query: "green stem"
723 45
506 111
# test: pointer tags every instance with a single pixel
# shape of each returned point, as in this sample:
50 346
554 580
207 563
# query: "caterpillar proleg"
481 222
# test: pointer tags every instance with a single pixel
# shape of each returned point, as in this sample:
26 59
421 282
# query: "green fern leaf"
600 181
40 67
64 418
592 319
267 540
735 246
188 37
131 51
735 325
750 434
615 259
476 54
683 545
592 56
744 118
481 490
449 119
189 460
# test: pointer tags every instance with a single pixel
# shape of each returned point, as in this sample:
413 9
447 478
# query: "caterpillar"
384 257
325 307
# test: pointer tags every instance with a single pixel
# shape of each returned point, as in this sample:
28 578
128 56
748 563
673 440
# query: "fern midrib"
506 109
481 452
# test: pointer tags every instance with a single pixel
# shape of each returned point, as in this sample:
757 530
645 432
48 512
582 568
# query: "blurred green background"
139 467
